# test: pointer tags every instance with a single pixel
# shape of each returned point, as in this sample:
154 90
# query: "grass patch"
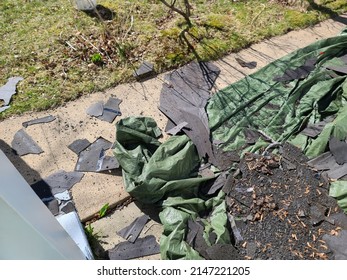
63 53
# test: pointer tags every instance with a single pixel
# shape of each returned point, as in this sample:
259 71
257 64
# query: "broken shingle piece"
140 248
184 97
106 112
339 69
338 149
169 125
23 144
250 64
338 173
9 89
216 185
111 110
109 162
313 130
56 183
177 128
53 206
340 219
298 73
222 252
251 136
68 207
132 232
79 145
337 244
224 159
237 234
325 161
46 119
61 180
199 243
194 228
317 214
287 165
96 109
93 158
145 71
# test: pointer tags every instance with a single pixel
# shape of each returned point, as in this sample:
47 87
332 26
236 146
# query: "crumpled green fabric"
338 190
175 216
151 170
337 128
166 174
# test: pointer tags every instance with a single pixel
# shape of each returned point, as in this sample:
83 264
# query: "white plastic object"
73 226
28 230
85 5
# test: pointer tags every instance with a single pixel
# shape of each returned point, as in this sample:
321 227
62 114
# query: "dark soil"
281 207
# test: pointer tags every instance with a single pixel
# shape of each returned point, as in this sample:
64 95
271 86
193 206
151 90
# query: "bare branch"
185 14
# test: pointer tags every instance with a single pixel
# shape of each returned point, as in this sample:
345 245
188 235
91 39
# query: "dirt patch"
281 207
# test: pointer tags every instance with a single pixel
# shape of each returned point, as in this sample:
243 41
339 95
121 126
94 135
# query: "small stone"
249 217
301 213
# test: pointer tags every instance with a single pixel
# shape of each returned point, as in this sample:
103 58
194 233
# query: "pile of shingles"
183 99
279 208
333 163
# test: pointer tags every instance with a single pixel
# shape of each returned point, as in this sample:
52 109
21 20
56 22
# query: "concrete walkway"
97 189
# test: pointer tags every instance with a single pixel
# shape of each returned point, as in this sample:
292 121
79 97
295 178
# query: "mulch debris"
280 212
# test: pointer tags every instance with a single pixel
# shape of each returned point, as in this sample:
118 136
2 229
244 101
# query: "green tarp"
280 110
166 173
338 190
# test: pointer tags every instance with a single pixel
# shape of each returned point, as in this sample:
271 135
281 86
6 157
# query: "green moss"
173 32
175 58
337 5
300 19
237 41
211 49
217 21
198 33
